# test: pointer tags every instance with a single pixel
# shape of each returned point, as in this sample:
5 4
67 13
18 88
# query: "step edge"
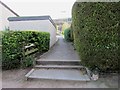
56 61
30 72
57 66
33 77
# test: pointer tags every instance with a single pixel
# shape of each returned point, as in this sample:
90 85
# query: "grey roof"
9 8
29 18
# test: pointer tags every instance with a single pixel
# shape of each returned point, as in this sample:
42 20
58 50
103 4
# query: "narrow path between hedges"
62 50
61 62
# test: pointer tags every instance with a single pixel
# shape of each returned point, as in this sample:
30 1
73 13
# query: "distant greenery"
13 42
95 29
65 26
67 34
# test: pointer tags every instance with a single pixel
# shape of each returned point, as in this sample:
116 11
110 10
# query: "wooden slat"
31 51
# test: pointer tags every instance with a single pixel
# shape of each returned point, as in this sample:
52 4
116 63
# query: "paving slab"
58 74
62 50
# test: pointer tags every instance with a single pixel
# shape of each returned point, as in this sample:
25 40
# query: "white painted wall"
41 25
4 14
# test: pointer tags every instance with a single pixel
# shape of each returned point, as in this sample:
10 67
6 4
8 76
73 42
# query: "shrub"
95 27
13 42
65 26
0 56
28 62
67 34
71 33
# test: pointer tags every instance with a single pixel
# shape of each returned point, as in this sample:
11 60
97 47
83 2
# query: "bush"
13 42
67 34
28 62
0 49
71 33
95 28
65 26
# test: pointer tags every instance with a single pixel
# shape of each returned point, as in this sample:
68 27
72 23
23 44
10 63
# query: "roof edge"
9 9
29 18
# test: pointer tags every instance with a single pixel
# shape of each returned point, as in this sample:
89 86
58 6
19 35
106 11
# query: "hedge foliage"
13 42
95 29
67 35
65 26
71 33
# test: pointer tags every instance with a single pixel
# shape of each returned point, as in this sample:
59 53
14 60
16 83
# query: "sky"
55 8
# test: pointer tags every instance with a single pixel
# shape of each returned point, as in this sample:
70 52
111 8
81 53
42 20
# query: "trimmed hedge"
65 26
71 33
95 28
13 42
67 35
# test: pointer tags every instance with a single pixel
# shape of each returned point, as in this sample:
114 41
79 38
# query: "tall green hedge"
71 33
95 28
12 44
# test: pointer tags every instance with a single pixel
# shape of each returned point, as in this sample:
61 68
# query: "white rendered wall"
40 25
4 14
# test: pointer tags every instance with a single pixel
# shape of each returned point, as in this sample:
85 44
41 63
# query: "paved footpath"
60 63
62 50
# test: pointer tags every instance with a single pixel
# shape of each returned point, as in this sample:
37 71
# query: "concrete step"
57 74
57 62
59 66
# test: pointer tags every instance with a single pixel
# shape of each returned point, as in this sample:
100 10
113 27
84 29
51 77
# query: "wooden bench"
31 49
28 50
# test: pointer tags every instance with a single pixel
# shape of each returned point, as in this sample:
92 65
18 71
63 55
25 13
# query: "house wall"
41 25
4 14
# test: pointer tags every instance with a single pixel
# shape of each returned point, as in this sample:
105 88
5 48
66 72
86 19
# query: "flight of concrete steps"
59 70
